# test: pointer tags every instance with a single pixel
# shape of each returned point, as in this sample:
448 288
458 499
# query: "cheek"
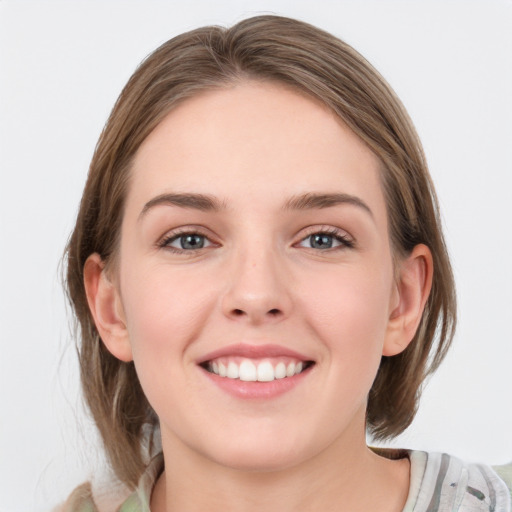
164 309
165 314
350 312
350 318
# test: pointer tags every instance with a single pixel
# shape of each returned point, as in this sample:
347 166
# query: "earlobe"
106 308
413 288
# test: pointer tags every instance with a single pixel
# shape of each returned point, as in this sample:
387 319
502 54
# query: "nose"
258 290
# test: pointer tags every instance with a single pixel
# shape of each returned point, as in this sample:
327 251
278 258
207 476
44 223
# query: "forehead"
257 139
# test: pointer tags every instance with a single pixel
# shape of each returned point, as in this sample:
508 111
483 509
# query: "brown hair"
318 64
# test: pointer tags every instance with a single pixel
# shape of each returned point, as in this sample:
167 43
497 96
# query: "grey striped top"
443 483
439 483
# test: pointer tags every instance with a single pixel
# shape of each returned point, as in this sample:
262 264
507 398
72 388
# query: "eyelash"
165 242
346 242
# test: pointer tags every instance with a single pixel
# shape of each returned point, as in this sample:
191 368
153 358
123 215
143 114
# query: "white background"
62 65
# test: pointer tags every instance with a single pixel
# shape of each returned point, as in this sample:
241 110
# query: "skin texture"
258 280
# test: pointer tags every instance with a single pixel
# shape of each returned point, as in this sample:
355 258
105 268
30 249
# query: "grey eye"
189 242
321 241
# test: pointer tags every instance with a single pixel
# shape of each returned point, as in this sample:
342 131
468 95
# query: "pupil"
192 242
321 241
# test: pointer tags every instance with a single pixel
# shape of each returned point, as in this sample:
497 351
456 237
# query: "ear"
106 308
413 286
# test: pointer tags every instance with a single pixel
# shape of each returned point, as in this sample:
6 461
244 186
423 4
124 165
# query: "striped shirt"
442 483
439 483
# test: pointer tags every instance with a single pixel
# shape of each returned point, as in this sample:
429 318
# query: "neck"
344 477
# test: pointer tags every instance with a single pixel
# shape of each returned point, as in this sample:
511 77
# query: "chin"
262 452
254 461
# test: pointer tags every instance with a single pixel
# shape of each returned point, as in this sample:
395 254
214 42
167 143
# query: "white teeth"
280 371
250 371
232 372
265 372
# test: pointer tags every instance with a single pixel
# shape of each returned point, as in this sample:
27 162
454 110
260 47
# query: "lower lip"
257 390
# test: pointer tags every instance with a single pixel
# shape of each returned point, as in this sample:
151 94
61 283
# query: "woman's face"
255 245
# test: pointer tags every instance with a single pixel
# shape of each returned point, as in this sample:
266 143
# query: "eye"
326 240
186 242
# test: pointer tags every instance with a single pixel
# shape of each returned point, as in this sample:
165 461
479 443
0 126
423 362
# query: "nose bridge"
257 290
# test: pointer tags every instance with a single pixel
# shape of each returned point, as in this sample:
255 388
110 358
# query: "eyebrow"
193 201
312 201
207 203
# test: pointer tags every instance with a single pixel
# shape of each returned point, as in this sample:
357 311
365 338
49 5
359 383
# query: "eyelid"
342 235
175 233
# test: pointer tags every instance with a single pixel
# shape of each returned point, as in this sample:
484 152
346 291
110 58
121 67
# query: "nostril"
271 312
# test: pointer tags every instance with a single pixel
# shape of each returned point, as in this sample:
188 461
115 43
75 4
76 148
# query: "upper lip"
253 352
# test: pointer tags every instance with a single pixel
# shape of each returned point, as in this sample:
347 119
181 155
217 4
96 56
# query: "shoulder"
80 500
107 497
443 482
112 495
505 473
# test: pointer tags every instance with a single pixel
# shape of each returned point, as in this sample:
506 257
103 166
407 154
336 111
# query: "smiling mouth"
251 370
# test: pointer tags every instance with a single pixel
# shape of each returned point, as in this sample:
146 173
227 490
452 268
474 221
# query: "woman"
259 273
